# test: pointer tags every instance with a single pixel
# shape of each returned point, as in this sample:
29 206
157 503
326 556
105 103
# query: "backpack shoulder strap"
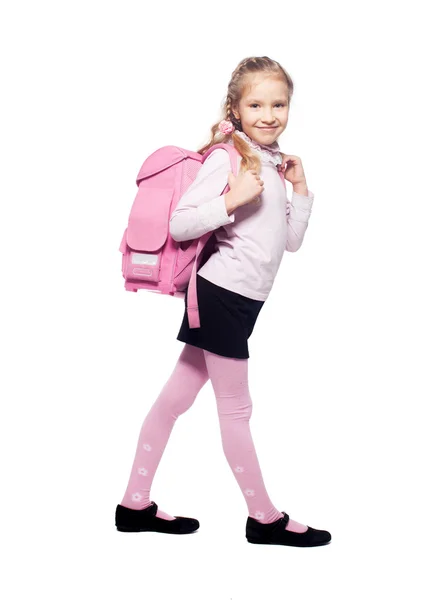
233 153
192 298
282 176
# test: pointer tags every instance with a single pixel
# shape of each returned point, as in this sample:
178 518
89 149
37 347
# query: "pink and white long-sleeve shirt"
251 241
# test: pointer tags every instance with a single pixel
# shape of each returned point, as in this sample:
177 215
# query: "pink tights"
229 377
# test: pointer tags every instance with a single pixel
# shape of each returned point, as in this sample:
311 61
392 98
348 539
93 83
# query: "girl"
254 224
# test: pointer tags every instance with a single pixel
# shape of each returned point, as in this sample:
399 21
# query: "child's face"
264 104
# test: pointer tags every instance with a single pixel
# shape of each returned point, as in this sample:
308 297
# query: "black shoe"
275 533
128 519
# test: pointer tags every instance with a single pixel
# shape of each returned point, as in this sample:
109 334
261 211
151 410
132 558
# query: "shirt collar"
269 152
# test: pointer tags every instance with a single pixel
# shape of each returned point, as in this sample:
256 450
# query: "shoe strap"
152 510
282 523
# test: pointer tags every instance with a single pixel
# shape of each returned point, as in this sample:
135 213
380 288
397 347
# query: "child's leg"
229 377
176 397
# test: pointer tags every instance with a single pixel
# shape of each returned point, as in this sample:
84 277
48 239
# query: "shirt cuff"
213 214
303 202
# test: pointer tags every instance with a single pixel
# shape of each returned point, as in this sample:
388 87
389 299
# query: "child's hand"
246 187
294 172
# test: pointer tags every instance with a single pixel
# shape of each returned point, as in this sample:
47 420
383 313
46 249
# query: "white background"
344 357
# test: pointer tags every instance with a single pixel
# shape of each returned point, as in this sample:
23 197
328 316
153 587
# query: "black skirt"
227 320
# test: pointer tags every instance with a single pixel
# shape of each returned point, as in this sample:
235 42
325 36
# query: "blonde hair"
241 78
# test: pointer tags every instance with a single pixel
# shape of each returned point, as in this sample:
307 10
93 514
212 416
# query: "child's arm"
201 208
298 212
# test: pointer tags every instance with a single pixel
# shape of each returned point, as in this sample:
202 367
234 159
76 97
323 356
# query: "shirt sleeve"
201 208
298 213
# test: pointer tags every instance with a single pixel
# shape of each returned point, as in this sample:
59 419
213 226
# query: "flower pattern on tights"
137 497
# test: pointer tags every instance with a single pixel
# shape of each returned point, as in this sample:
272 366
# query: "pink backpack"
151 258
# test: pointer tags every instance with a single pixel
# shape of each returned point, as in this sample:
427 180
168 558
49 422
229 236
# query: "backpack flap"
148 221
148 225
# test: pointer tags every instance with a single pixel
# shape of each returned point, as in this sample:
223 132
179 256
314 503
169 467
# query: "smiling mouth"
274 127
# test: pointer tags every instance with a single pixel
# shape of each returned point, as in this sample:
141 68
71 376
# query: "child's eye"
279 104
